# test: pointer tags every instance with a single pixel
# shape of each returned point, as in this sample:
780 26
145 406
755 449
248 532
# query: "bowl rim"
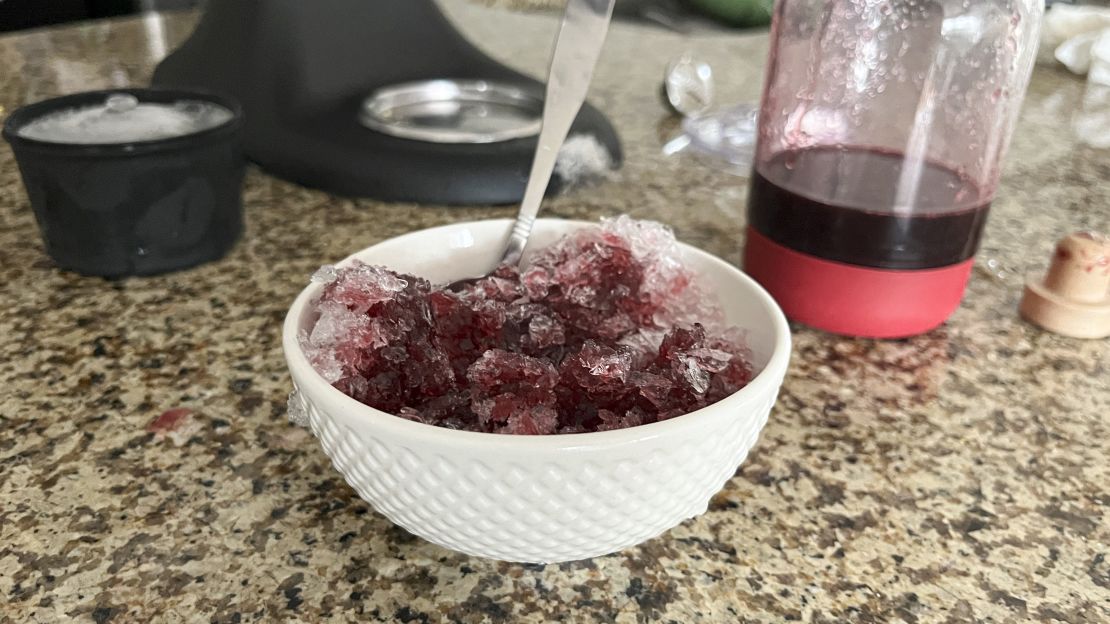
765 384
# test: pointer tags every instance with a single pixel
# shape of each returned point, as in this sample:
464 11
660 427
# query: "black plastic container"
137 208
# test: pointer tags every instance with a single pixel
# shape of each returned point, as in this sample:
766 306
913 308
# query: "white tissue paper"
1079 38
1099 70
1069 32
1075 53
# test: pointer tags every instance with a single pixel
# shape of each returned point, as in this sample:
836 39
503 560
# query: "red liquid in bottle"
872 212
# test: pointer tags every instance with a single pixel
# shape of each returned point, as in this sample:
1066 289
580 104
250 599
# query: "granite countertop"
959 476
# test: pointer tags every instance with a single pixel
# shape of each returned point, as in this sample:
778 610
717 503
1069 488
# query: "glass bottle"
882 130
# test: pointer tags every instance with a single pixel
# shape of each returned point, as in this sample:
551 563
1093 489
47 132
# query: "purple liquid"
860 218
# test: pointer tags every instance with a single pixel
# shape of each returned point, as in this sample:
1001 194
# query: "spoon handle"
577 48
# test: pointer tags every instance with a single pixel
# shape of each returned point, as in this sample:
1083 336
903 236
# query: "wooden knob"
1074 297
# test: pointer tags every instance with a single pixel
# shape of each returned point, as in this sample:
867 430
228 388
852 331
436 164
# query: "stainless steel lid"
454 111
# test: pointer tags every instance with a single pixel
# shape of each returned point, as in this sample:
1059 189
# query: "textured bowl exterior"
541 499
540 507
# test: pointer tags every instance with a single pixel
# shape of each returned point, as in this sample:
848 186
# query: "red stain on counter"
170 420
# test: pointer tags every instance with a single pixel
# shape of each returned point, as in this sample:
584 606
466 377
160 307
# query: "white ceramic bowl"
539 499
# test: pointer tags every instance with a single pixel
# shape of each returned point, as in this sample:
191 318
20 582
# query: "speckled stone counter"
959 476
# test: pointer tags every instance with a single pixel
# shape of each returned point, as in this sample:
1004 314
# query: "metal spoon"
577 48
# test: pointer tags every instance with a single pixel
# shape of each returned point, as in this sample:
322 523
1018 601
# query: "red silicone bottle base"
853 300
